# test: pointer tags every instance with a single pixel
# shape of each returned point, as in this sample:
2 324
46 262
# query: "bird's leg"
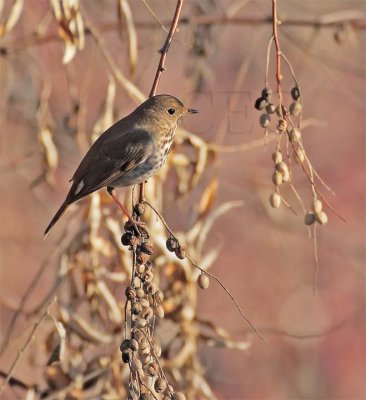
135 223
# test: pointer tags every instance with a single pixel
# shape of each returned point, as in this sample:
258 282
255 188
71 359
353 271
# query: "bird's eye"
171 111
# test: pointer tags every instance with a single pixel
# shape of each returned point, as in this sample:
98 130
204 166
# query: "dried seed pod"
140 293
286 176
128 227
144 344
136 308
138 335
136 364
141 258
144 303
147 248
299 156
152 369
295 93
203 281
125 345
295 134
260 103
126 356
130 293
147 313
126 239
172 244
295 108
180 252
270 108
148 276
149 288
140 322
264 120
277 178
140 268
157 349
159 311
146 396
136 281
146 350
283 169
159 296
178 396
282 125
133 344
277 156
275 200
160 385
316 206
266 93
321 217
139 209
145 359
309 218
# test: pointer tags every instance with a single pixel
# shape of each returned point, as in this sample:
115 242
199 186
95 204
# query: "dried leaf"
70 26
115 311
83 328
208 197
58 353
70 51
13 18
125 11
46 139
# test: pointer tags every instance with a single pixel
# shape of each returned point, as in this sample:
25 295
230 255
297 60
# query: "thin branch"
208 273
161 67
356 22
22 350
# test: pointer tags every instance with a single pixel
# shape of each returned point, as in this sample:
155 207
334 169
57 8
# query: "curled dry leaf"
14 15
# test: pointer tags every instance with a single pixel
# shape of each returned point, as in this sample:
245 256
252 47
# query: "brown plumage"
129 152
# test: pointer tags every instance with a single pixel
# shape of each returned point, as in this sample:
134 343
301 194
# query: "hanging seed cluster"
288 123
174 246
144 300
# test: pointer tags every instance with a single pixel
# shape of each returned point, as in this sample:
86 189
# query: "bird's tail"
57 216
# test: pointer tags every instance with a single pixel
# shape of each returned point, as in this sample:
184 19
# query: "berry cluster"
173 246
141 352
288 125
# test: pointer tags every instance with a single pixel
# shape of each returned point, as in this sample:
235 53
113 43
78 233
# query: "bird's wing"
109 159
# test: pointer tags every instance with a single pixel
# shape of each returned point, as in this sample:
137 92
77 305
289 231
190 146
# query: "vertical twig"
161 67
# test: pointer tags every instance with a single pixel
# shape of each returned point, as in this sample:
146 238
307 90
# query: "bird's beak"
192 111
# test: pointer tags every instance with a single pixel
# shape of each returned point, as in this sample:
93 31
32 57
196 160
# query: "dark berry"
260 103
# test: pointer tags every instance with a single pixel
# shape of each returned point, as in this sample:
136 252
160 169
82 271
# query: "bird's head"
165 110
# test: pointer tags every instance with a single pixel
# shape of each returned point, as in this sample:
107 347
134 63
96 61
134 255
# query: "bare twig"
206 272
161 66
24 347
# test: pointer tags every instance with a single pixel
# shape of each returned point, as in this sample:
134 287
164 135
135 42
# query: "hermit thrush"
129 152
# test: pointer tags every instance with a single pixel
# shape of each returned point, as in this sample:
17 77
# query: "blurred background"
61 84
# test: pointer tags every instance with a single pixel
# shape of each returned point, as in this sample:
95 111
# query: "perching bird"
129 152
